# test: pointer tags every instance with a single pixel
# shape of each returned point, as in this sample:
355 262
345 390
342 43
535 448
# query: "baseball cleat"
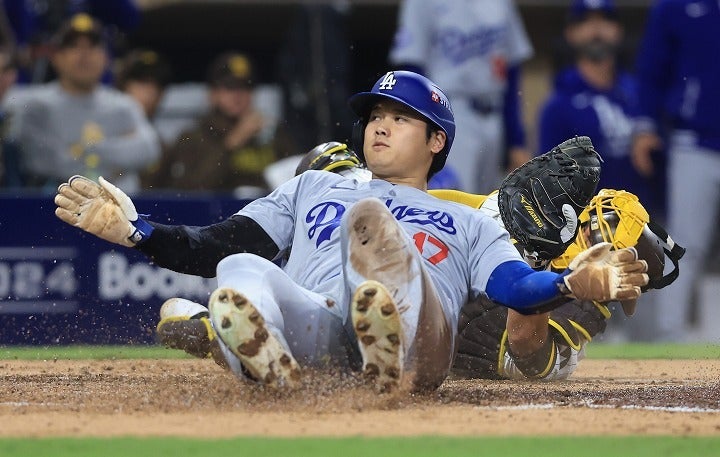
242 328
378 327
185 325
378 244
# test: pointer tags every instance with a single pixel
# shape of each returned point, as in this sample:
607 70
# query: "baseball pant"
477 152
317 329
693 176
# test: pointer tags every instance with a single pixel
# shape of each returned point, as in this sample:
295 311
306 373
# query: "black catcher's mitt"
540 201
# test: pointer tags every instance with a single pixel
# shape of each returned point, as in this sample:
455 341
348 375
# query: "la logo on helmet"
388 81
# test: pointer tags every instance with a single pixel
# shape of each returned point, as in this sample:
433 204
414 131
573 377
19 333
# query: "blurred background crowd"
176 97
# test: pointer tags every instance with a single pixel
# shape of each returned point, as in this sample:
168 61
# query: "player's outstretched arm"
101 209
108 213
596 274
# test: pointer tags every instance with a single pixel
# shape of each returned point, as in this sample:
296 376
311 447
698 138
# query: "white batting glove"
101 209
603 275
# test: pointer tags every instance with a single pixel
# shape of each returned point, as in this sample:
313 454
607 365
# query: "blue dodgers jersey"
606 116
679 69
461 246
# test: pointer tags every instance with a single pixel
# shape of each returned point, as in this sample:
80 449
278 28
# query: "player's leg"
404 334
491 144
268 322
529 346
465 158
483 342
691 173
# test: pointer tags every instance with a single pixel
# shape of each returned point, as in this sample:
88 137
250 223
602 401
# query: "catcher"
484 348
483 336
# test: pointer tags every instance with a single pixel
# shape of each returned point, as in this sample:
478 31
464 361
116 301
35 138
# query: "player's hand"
101 209
603 275
643 146
246 128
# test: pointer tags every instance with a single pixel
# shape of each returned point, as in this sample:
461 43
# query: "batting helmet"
618 217
417 93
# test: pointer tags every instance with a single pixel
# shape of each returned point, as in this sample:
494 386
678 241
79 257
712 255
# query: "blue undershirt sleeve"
515 285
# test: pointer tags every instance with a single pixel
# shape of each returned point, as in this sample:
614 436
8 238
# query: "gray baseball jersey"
461 246
103 133
463 45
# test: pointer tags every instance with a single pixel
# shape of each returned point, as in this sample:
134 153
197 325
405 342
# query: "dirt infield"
196 398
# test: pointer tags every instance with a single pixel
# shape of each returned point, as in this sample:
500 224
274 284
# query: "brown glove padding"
603 275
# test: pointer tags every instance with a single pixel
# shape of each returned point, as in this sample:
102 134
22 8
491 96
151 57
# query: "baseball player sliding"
378 270
483 348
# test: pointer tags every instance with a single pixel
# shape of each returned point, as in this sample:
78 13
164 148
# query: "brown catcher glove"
603 275
540 201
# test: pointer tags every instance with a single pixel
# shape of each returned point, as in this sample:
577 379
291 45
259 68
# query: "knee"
242 264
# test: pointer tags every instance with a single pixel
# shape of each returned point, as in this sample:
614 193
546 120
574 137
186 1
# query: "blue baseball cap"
581 8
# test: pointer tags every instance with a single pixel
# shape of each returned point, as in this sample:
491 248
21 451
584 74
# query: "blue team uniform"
680 70
576 108
679 76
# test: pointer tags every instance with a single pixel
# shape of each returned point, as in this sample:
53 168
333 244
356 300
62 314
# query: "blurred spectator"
143 74
679 94
75 125
473 50
314 69
229 147
35 22
596 98
9 168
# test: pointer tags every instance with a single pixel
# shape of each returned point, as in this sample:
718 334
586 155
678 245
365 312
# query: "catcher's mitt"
540 201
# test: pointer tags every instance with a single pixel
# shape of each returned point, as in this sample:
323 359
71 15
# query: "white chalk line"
670 409
28 403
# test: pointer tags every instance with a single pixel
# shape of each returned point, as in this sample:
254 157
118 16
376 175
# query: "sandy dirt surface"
195 398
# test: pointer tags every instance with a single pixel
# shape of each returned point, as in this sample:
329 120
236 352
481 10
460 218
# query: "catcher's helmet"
414 91
618 217
334 157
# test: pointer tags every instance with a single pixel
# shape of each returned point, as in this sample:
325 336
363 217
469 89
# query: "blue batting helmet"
414 91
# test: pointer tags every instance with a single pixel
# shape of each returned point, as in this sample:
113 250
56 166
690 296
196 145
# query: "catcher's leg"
483 348
556 356
404 336
496 342
259 313
529 344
